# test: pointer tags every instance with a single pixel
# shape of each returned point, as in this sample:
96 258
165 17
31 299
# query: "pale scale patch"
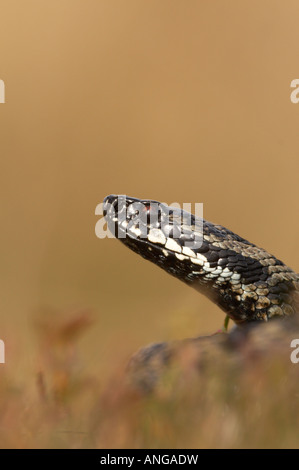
181 257
197 261
210 275
209 270
156 236
172 245
226 274
136 231
202 258
236 276
227 270
187 251
218 271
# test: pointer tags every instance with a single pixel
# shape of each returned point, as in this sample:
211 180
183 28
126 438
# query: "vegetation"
211 394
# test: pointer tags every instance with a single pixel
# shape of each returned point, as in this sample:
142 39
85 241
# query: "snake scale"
245 281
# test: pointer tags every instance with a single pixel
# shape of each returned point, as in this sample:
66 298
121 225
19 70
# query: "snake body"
245 281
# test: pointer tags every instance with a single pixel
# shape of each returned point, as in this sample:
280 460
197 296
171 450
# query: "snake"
245 281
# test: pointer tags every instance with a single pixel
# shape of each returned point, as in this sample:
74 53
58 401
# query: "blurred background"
173 101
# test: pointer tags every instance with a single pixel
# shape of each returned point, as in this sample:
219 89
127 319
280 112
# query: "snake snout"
109 202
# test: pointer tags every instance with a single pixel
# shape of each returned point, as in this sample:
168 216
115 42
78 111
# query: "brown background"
170 100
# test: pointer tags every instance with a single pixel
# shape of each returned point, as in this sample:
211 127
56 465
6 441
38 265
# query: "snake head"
152 222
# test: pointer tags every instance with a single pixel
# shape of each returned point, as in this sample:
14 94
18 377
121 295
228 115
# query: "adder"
245 281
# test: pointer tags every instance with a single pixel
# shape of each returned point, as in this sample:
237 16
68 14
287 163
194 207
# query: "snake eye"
145 212
154 214
150 213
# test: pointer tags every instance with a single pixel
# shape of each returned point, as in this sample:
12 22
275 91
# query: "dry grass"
207 396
